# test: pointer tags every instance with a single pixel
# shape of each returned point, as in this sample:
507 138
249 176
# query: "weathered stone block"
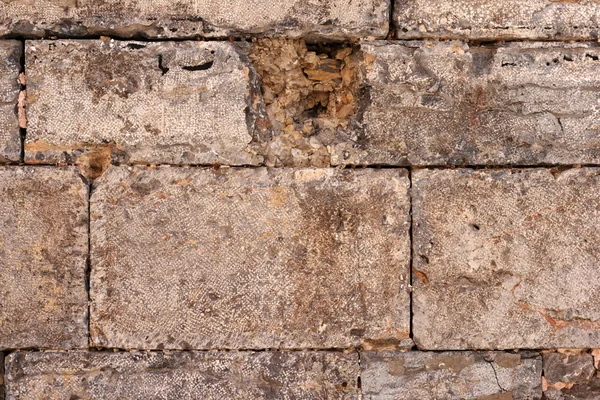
333 19
570 377
498 20
506 258
10 66
44 249
161 102
186 375
448 103
249 258
452 375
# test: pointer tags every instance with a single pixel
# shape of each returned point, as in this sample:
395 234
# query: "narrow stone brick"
44 249
570 377
249 258
452 375
186 375
506 258
498 20
448 103
10 66
332 19
161 102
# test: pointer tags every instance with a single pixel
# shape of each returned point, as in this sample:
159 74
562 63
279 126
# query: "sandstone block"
10 66
160 102
505 259
44 250
185 375
249 258
415 375
333 19
448 103
498 20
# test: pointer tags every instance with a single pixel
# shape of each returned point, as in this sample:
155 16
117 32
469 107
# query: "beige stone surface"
451 375
436 103
335 19
10 66
161 102
506 259
498 19
249 258
43 251
185 375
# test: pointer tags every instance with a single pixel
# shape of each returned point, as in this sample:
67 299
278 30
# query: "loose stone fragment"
161 102
448 103
416 375
10 66
498 20
332 19
570 376
185 375
506 259
44 249
249 258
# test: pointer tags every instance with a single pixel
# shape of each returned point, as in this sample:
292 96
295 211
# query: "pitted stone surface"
391 375
498 19
10 66
161 102
334 19
249 258
570 376
44 249
448 103
186 375
506 259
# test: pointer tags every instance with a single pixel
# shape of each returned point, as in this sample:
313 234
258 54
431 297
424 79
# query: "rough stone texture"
448 103
249 258
10 66
506 258
165 102
43 248
188 375
333 19
452 375
497 19
570 377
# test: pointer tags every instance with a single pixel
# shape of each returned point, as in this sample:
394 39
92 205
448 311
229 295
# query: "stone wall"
323 199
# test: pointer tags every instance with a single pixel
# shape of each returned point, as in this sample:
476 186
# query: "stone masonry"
318 199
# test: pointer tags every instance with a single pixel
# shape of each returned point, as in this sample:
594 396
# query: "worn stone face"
448 103
187 375
570 376
506 258
498 20
162 102
44 249
10 66
391 375
249 258
334 19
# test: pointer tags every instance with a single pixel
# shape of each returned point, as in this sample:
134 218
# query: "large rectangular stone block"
161 102
451 375
43 247
506 258
498 19
184 375
249 258
333 19
10 66
449 103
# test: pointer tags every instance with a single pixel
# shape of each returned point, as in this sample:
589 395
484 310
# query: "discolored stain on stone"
10 67
448 103
185 376
414 375
498 20
43 252
330 19
249 258
510 257
139 102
